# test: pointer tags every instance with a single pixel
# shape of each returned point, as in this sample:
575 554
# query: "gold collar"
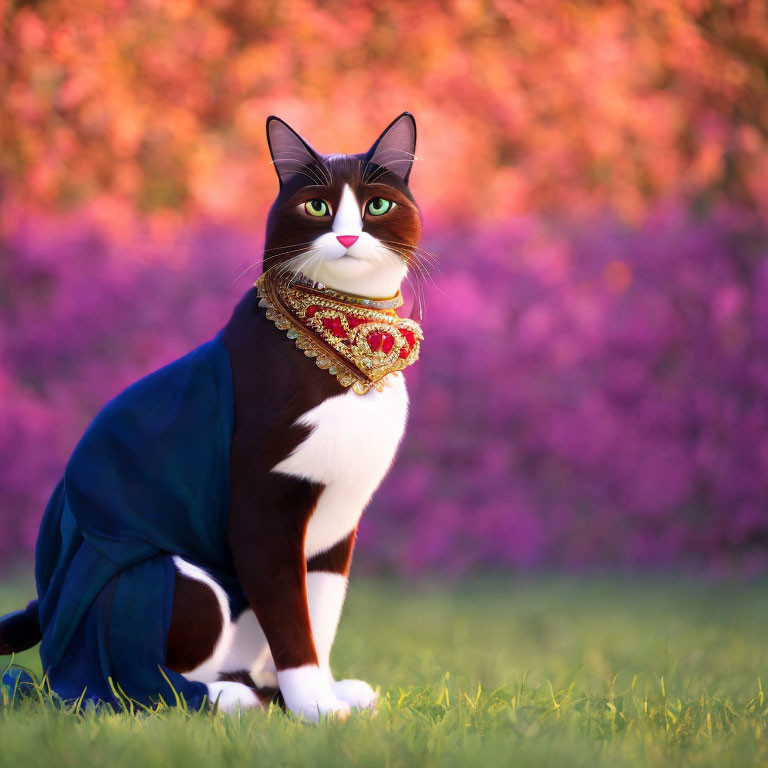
356 339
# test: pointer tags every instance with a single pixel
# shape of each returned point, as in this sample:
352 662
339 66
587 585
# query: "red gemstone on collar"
333 324
410 339
387 342
354 321
374 341
311 311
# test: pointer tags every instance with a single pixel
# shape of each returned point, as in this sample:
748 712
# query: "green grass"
560 672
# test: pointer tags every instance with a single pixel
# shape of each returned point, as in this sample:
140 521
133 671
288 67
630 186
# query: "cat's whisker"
313 253
286 251
416 287
292 245
424 267
422 252
418 295
408 245
316 259
416 258
247 269
411 257
426 276
420 269
297 269
420 281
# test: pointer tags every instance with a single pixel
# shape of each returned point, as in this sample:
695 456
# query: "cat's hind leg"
249 653
201 635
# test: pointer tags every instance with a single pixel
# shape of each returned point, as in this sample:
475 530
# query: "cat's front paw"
231 697
307 693
316 709
357 693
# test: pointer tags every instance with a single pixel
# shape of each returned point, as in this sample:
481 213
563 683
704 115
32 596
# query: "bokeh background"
593 391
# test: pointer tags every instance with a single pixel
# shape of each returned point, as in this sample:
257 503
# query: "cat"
199 543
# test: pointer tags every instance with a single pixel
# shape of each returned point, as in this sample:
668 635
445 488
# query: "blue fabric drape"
149 479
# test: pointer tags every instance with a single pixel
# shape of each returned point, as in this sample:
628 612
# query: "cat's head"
348 221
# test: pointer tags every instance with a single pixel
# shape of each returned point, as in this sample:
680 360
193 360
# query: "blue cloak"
149 479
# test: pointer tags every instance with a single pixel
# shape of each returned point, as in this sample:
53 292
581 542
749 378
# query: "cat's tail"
20 630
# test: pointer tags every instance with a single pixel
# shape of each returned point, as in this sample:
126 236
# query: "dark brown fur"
196 624
337 559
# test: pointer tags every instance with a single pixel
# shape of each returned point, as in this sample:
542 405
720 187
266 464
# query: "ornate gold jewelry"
357 343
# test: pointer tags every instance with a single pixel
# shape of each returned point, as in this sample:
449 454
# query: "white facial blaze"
348 220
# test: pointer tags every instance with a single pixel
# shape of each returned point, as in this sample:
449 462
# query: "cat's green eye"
378 206
317 207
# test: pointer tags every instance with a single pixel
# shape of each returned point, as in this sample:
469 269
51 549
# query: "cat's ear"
394 149
290 153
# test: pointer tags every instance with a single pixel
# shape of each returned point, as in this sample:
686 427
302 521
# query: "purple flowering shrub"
589 394
84 314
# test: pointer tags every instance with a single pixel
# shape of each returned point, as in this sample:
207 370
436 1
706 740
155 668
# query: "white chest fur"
353 441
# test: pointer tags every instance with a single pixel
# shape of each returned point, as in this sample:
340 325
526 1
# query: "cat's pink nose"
347 240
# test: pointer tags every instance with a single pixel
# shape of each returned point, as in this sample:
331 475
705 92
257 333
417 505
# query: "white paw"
307 693
232 697
356 693
316 709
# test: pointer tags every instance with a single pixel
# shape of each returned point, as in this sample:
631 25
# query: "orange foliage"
522 106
